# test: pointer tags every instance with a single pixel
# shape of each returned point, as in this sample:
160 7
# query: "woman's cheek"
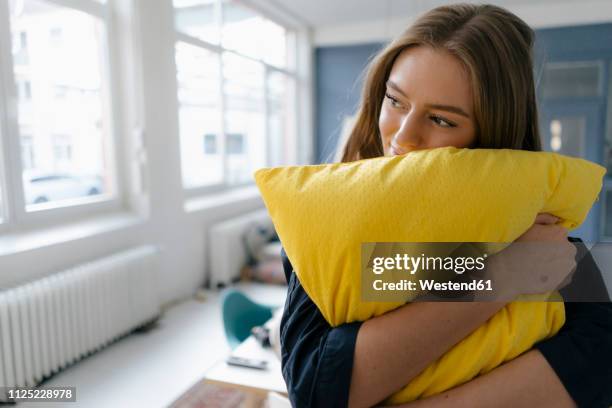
386 127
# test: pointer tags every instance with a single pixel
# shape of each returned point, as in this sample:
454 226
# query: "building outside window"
237 86
59 62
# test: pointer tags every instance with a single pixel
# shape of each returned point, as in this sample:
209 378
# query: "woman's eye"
394 102
442 122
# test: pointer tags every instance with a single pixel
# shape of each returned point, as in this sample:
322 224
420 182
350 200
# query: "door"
576 129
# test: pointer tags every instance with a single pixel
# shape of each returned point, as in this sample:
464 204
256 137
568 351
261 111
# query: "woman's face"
428 103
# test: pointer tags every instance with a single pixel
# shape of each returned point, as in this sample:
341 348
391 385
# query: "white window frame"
292 28
14 214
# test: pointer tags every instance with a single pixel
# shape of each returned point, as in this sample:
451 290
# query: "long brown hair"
495 47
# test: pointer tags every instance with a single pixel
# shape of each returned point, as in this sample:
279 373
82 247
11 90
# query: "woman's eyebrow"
393 85
448 108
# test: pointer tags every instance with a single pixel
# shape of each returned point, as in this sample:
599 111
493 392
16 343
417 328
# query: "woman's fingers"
544 232
546 219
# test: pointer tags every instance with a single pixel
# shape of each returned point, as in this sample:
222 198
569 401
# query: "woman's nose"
408 136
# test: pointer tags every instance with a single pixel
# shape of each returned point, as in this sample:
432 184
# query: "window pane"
250 34
198 18
198 80
1 206
566 135
281 119
63 115
572 80
244 117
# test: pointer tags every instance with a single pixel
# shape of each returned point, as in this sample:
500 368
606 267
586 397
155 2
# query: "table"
254 382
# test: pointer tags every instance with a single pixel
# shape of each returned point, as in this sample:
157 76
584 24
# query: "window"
59 63
243 87
572 79
27 90
55 36
199 113
19 48
252 35
281 95
236 92
198 19
24 90
2 192
19 42
568 136
27 152
210 144
235 143
23 40
62 153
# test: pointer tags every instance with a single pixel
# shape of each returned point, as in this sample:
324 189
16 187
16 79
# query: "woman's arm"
571 369
394 348
525 382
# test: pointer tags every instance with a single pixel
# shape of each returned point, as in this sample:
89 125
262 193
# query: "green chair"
240 315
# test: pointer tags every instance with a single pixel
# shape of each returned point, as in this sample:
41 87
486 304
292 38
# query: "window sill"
238 196
13 243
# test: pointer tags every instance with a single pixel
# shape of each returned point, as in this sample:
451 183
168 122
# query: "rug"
206 395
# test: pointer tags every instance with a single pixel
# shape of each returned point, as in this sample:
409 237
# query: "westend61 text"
429 285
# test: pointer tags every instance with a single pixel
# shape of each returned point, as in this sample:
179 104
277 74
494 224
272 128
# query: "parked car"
44 187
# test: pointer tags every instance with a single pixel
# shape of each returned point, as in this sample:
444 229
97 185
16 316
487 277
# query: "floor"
153 369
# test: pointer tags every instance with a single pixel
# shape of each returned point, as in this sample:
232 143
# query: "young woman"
460 76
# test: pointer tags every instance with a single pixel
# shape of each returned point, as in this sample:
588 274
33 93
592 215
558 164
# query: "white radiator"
226 245
51 323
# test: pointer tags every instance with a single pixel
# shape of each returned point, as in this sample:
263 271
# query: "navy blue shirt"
317 360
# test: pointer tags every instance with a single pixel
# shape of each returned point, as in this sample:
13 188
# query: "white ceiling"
318 13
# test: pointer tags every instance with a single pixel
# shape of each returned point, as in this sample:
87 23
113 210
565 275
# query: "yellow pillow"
323 213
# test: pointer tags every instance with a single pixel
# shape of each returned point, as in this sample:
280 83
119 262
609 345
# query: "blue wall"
338 87
576 42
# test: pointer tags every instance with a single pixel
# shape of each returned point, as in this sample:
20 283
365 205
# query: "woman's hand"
544 228
539 261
